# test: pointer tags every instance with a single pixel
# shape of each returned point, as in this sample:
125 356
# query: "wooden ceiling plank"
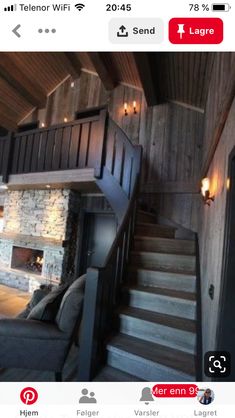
24 86
107 75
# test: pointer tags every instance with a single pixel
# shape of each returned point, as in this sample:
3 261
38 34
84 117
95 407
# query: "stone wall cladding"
72 235
39 213
5 253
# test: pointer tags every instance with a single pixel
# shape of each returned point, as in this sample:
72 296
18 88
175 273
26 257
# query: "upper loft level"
177 119
88 153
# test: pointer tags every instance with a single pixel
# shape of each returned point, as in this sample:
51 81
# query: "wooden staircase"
156 340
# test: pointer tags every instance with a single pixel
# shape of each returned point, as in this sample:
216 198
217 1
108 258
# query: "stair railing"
119 182
74 145
92 141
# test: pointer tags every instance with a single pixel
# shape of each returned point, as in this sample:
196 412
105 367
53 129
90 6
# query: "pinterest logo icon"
29 396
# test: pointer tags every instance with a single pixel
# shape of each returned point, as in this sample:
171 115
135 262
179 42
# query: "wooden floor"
12 302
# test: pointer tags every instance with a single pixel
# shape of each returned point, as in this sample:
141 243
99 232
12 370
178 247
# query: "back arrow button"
15 31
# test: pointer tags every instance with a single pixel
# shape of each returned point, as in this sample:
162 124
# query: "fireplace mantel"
31 240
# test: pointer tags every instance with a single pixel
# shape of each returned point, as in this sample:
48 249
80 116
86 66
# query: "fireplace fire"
35 264
27 259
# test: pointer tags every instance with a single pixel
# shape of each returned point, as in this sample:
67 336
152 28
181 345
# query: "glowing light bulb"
134 107
205 186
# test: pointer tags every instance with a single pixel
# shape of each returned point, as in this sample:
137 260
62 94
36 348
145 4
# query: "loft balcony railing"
77 144
93 142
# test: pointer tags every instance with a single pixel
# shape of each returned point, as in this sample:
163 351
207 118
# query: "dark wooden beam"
107 75
71 63
25 87
62 179
229 95
148 77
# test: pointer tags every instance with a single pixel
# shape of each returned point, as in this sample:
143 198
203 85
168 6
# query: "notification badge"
29 396
196 31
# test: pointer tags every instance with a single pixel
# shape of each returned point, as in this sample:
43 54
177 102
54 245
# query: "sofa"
41 336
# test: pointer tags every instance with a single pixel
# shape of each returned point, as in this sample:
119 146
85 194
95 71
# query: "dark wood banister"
76 144
103 284
93 142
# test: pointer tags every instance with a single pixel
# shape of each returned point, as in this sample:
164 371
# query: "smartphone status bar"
103 26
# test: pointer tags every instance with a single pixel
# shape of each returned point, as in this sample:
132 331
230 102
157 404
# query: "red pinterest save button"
196 31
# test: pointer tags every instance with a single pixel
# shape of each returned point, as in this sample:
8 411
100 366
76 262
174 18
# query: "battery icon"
221 7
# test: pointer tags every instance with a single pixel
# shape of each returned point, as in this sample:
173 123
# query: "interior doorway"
98 233
226 324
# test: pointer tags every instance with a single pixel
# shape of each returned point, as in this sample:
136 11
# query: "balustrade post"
7 157
88 341
100 146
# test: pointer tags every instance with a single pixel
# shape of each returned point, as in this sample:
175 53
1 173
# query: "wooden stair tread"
185 241
162 270
165 292
144 212
136 252
175 359
154 225
165 245
168 320
189 274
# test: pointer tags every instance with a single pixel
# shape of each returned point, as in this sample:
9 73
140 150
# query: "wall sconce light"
65 120
72 84
134 107
43 125
125 109
205 190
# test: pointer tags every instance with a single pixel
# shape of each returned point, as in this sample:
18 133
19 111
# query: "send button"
136 31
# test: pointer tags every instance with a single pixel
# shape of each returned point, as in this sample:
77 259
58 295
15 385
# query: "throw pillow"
71 306
47 308
37 296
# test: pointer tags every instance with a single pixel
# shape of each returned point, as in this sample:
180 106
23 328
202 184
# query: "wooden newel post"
7 157
88 343
100 146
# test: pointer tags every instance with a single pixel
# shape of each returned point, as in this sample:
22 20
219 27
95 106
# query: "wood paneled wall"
211 233
219 140
171 136
219 100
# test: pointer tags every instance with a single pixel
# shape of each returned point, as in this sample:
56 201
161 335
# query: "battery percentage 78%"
199 7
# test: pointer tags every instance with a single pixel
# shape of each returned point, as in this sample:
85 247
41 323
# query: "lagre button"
196 31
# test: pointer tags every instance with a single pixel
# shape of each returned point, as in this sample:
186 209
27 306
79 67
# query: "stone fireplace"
35 243
27 259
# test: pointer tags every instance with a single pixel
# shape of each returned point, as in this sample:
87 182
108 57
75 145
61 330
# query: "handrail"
76 144
91 142
103 284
